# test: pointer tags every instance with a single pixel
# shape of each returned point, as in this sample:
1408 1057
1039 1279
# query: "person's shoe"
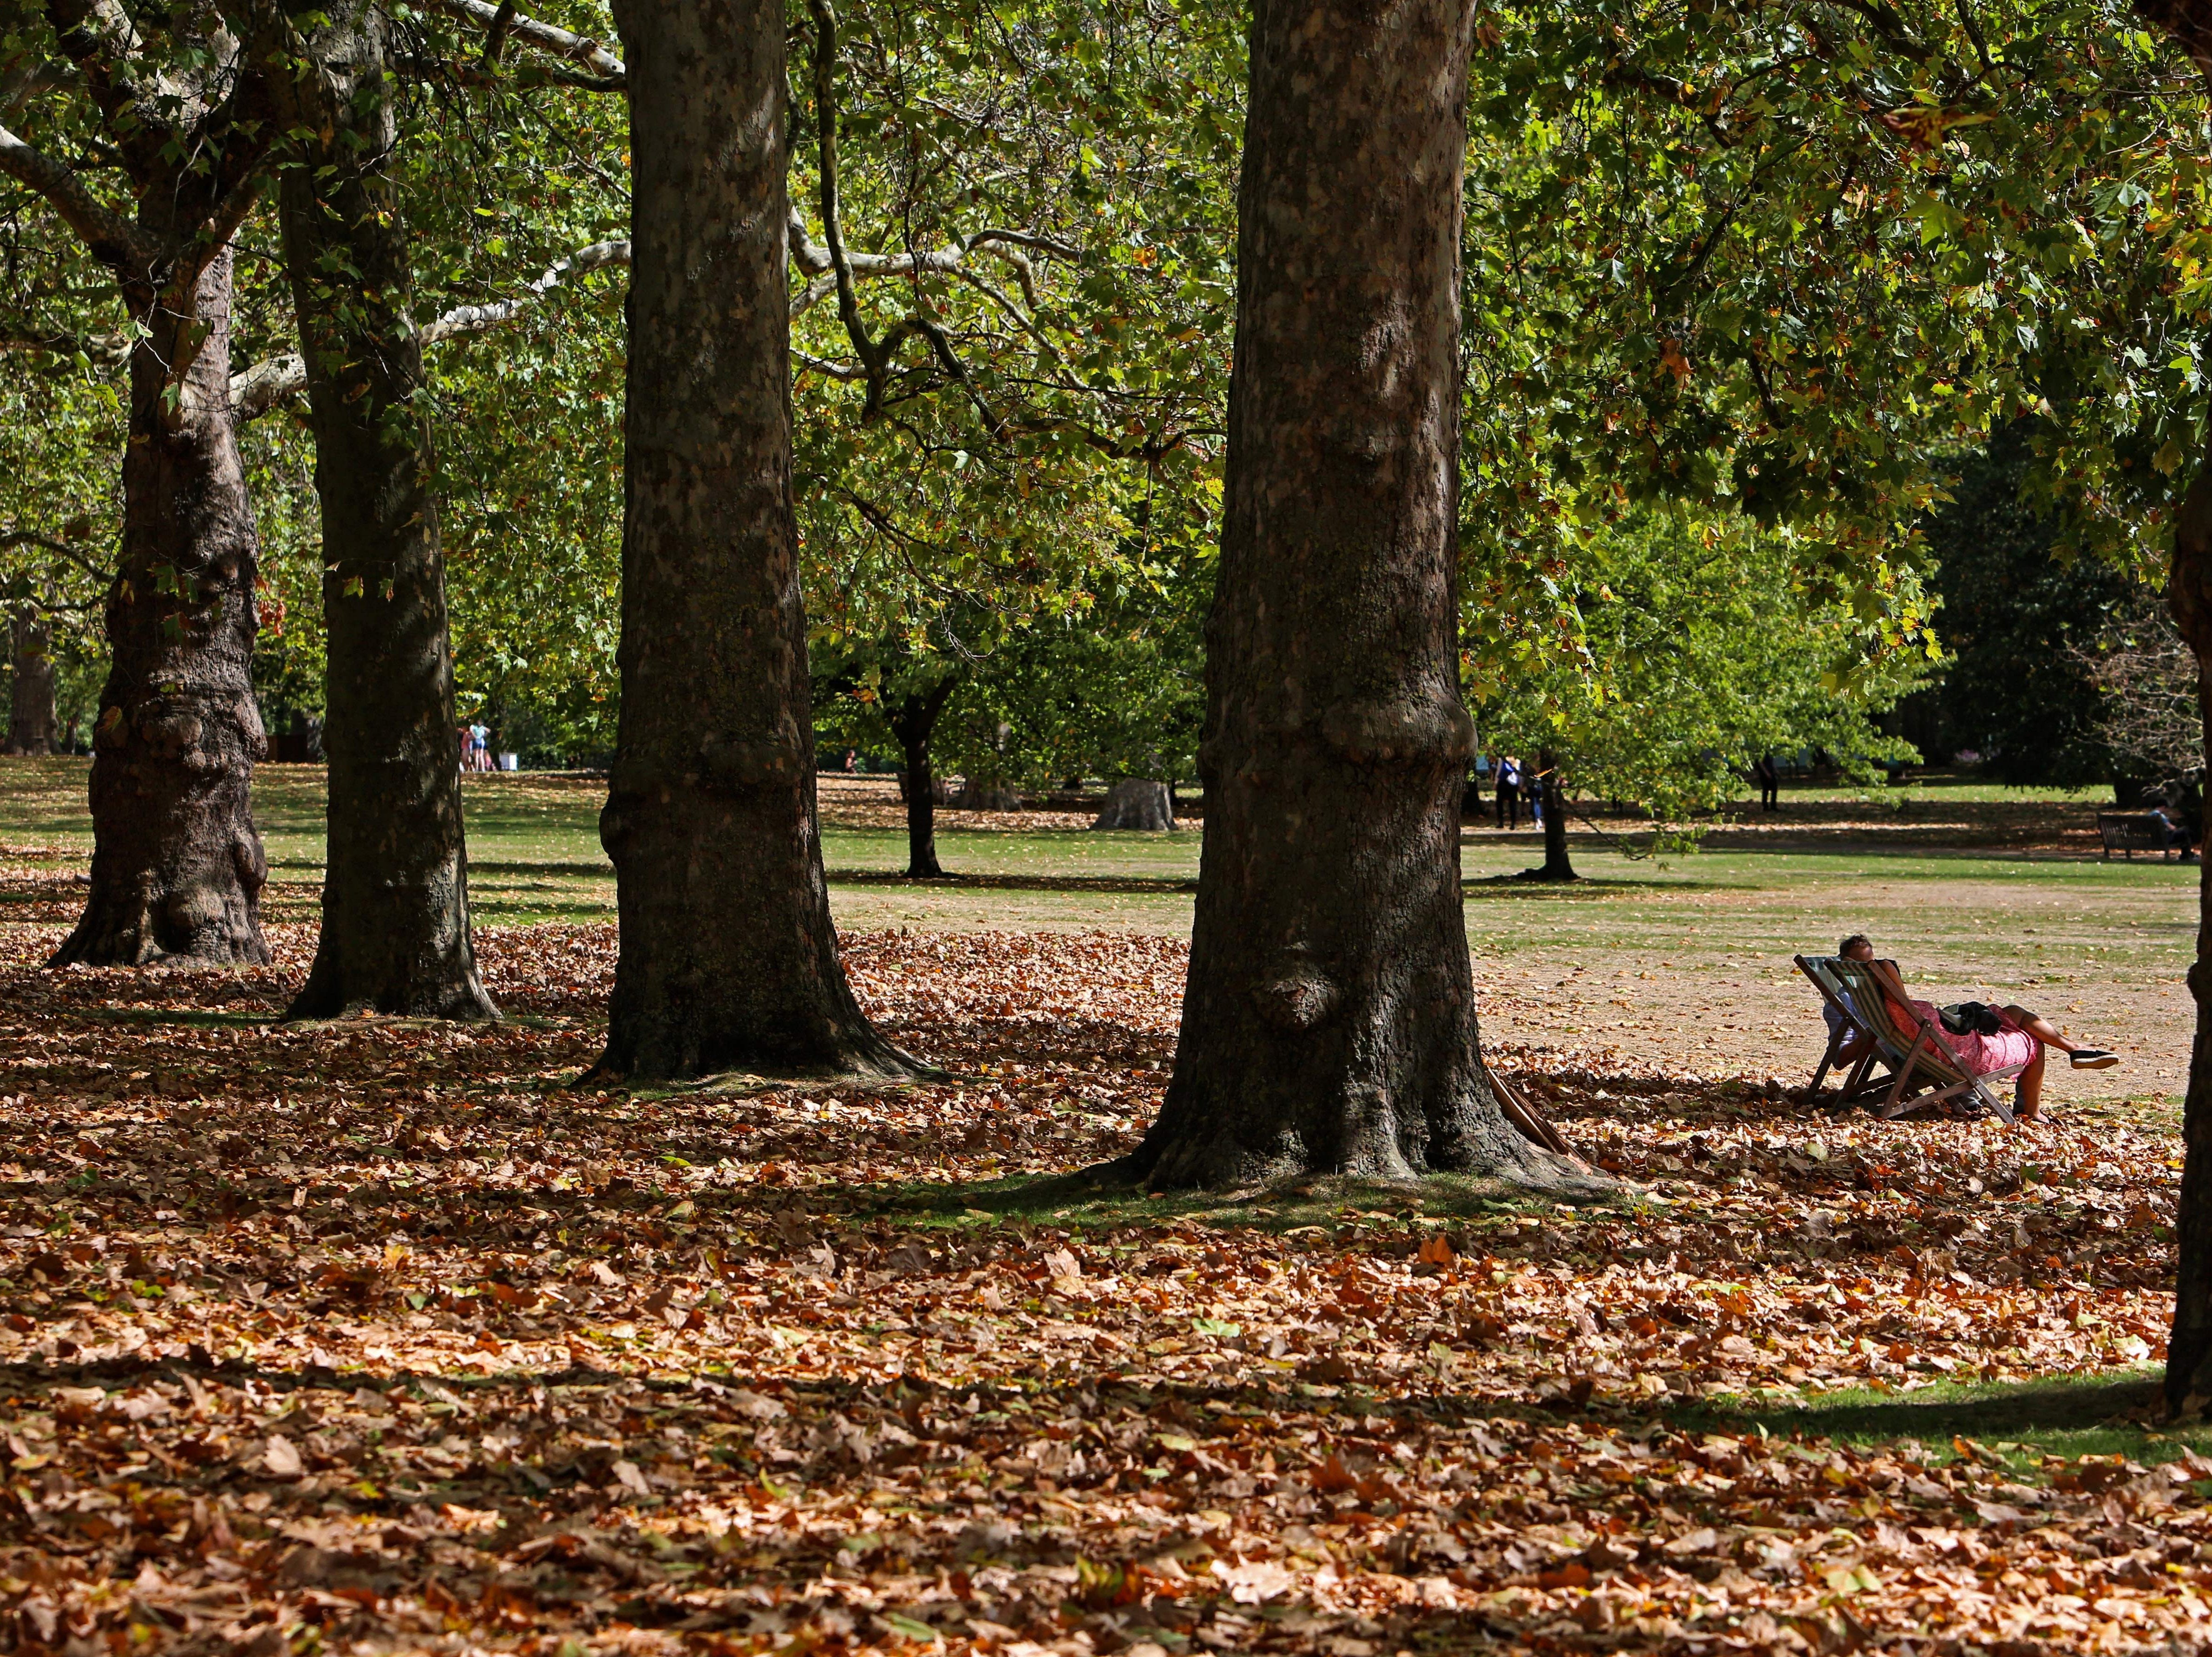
2093 1059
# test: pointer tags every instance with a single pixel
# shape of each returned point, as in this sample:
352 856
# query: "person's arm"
1892 983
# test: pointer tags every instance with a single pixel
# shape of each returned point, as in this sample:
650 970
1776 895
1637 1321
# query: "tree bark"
2189 1349
1328 1020
1138 803
1556 866
913 722
2189 593
395 935
31 689
728 957
177 865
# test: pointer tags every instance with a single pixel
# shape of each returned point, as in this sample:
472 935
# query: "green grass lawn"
1698 940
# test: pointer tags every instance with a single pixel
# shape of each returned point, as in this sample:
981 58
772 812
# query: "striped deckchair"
1923 1069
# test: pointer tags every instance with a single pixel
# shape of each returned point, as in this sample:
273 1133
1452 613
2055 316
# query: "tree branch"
2188 21
54 545
99 38
875 356
613 73
476 318
255 391
26 77
845 269
844 371
114 240
503 22
1891 27
817 260
108 350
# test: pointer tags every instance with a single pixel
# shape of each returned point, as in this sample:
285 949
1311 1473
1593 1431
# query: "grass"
1699 941
1078 1203
2008 1425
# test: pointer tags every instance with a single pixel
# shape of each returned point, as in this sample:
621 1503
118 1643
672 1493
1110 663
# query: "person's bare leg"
2042 1029
2027 1089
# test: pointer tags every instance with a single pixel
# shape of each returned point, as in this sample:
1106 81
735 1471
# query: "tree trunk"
176 867
913 722
30 692
2189 592
395 935
728 957
2189 1351
1328 1020
1137 803
1556 866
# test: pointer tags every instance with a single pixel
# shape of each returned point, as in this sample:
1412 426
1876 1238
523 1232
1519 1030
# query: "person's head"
1857 947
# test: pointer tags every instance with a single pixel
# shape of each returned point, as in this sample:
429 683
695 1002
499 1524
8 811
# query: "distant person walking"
1769 776
1509 790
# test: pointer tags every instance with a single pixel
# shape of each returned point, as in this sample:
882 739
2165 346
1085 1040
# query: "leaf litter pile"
379 1335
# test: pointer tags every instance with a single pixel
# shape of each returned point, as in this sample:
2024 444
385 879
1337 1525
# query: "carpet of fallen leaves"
378 1335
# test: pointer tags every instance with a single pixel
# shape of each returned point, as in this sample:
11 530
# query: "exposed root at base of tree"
770 1078
466 1005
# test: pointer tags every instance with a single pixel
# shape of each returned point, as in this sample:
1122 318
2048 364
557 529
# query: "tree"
2145 678
2019 624
177 865
395 935
869 688
1021 508
31 686
912 716
2189 589
1137 803
61 442
728 957
1328 1019
1673 645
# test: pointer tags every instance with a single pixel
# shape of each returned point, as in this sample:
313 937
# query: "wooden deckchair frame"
1819 969
1916 1054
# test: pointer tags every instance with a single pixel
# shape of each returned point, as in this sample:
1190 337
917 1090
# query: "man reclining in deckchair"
1985 1038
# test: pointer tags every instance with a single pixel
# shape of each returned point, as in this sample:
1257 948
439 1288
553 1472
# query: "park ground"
378 1336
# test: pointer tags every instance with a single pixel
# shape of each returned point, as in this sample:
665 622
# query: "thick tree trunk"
1137 803
2189 592
31 689
395 935
728 957
1328 1020
2189 1351
1556 865
176 867
914 721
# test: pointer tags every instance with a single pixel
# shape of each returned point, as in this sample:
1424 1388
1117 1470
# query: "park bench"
1921 1068
2129 832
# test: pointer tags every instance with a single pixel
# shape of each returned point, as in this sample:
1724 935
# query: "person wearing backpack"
1509 790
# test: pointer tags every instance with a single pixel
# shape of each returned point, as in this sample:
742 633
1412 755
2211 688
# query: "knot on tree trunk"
1301 1001
1408 732
744 762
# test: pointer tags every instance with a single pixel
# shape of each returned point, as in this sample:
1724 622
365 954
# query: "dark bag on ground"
1970 1018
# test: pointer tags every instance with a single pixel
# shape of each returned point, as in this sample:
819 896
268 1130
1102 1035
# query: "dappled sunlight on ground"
382 1333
